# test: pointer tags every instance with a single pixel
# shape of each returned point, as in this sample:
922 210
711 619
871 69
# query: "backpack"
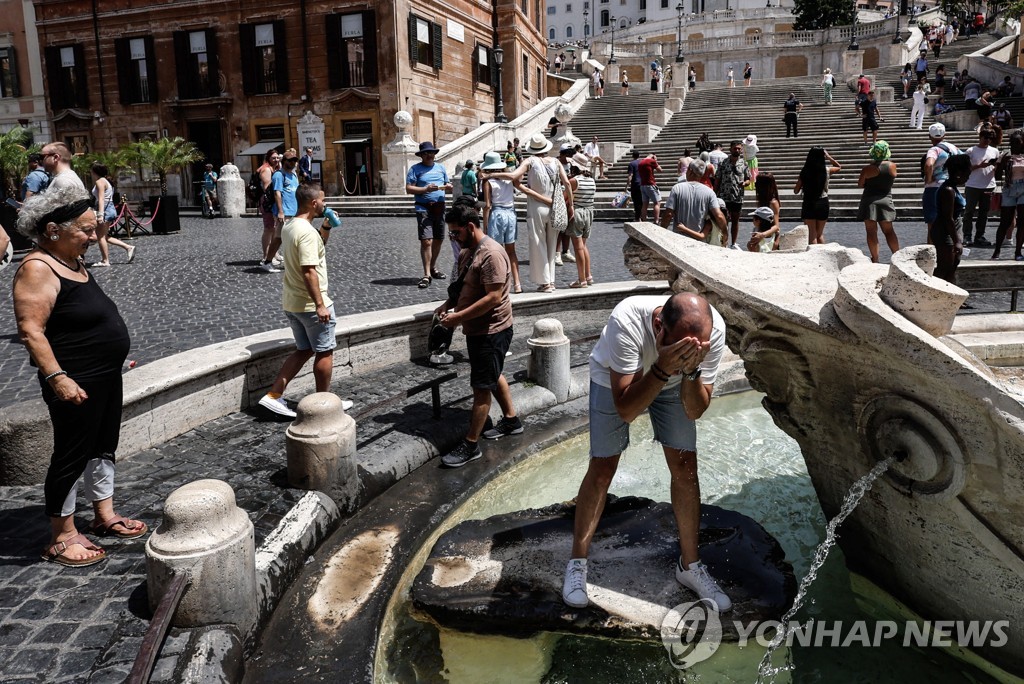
254 188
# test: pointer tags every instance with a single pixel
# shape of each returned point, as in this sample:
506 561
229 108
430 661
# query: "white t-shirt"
628 343
716 157
66 179
985 178
591 149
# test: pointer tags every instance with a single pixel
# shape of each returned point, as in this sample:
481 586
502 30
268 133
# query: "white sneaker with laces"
558 259
277 406
269 267
346 404
574 588
568 258
278 261
698 580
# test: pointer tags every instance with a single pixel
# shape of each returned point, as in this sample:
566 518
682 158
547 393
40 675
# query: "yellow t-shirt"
301 246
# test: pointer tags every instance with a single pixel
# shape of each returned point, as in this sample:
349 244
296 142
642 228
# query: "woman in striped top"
583 189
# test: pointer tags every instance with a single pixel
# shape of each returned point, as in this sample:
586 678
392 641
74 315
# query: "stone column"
230 191
321 449
548 365
398 156
210 539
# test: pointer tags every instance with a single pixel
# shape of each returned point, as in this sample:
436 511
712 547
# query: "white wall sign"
264 35
351 25
310 129
456 31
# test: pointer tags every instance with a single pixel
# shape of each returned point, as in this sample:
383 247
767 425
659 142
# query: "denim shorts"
609 434
1013 194
501 225
310 333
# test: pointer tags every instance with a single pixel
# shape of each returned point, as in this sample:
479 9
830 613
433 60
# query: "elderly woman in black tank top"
78 341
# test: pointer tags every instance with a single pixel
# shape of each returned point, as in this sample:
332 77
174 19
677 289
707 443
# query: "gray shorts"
650 193
310 333
609 434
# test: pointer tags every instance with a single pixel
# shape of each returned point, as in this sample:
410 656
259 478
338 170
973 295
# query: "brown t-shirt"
490 265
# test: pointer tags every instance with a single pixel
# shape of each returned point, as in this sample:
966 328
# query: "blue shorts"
310 333
609 434
930 204
501 225
1013 194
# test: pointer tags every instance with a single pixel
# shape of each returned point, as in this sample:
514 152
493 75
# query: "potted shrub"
165 155
13 166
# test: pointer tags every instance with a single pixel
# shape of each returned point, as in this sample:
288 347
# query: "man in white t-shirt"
978 188
717 156
57 163
593 152
661 355
935 173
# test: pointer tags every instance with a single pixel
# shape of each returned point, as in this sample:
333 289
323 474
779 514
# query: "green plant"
164 155
13 158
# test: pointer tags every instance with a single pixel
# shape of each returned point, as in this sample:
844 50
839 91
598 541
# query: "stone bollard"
210 539
230 191
548 365
321 448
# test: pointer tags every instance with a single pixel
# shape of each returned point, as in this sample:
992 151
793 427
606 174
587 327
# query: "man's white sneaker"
558 259
276 406
269 267
568 258
278 261
346 404
574 588
698 580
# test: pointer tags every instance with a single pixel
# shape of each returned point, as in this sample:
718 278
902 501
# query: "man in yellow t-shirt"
304 298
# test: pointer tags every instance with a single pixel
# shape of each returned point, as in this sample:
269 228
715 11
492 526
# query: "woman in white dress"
542 172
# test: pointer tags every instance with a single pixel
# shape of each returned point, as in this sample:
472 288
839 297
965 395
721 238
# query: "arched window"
551 33
568 31
622 23
604 18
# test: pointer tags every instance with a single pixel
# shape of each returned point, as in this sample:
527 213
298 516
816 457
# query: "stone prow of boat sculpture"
857 364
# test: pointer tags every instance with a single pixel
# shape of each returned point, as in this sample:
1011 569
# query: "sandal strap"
118 520
79 539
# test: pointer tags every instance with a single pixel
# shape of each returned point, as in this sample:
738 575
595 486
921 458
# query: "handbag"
620 200
559 216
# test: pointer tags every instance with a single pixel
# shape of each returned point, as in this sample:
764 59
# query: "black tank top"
86 333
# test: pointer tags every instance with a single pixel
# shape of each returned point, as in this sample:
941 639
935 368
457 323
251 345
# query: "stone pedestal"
205 536
230 191
548 365
658 116
643 133
853 63
885 94
321 449
399 155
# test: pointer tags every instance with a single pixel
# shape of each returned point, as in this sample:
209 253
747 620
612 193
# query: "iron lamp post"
499 55
611 59
586 29
679 35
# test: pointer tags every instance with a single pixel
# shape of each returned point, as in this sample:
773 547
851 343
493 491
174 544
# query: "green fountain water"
746 464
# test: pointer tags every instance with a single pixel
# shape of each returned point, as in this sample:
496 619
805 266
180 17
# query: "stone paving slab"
202 286
65 624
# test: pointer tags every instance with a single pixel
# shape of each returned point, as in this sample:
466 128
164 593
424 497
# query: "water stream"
765 671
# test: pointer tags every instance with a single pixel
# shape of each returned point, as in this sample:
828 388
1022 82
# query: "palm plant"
164 156
13 158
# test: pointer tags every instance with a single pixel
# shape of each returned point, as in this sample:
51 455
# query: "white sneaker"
558 259
278 261
568 257
268 267
698 580
574 588
346 404
276 406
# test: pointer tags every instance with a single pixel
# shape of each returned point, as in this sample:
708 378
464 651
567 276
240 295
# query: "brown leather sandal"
118 527
55 552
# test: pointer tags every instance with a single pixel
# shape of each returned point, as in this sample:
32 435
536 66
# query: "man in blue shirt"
36 180
284 182
633 185
209 191
428 182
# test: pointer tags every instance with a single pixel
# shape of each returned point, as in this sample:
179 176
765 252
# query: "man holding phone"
428 182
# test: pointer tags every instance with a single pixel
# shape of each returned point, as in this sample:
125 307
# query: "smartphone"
14 203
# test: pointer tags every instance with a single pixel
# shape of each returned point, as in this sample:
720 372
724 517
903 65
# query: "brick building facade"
234 77
21 76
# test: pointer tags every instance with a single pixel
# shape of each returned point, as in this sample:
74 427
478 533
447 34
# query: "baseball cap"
567 148
937 130
764 213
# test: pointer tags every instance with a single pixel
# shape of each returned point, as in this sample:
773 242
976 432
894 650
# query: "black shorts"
430 223
868 125
734 207
487 358
814 210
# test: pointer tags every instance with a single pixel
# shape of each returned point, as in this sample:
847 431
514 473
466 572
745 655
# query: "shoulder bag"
559 216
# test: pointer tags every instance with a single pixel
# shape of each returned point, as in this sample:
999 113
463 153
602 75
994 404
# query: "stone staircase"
732 113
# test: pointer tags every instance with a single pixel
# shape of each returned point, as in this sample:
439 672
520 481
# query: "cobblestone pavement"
86 624
202 285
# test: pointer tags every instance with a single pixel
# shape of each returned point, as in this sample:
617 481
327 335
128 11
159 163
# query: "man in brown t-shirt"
484 310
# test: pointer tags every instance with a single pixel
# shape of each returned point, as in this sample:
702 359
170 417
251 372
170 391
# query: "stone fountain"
860 362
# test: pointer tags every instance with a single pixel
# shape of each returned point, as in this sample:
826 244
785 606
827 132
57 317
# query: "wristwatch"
694 375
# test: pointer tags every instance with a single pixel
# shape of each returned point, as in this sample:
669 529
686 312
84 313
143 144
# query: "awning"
262 147
352 141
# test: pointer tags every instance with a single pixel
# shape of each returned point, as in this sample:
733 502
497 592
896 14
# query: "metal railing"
158 627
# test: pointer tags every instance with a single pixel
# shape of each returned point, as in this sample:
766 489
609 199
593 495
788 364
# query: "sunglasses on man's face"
291 159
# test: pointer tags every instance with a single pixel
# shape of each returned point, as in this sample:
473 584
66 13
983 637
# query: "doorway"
207 137
357 169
